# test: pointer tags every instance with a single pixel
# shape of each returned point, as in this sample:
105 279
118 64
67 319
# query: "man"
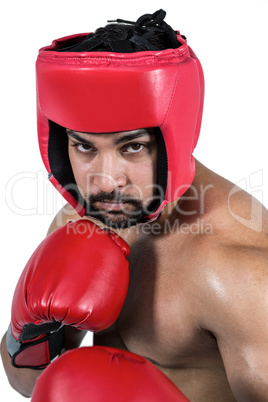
196 303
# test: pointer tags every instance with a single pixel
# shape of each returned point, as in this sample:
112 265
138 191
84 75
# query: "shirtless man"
196 305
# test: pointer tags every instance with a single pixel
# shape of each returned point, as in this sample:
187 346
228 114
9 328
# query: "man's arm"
239 321
243 334
23 379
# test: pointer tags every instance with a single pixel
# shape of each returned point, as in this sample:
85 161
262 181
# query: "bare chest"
158 319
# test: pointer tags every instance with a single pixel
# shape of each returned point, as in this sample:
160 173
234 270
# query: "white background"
229 37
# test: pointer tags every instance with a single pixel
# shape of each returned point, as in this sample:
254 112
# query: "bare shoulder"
231 303
238 219
232 278
65 215
68 214
232 281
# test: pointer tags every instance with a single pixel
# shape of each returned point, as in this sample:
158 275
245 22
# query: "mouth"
111 206
114 204
116 212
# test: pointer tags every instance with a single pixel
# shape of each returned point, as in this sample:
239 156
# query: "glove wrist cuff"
35 353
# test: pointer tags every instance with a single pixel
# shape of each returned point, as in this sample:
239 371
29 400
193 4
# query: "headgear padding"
105 92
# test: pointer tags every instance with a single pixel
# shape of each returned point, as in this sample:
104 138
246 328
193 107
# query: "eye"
82 147
134 148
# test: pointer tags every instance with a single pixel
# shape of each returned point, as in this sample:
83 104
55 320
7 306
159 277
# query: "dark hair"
149 32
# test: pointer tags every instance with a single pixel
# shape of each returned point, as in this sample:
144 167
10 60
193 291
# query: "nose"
109 173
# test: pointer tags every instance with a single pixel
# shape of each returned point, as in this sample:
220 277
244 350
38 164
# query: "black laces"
146 26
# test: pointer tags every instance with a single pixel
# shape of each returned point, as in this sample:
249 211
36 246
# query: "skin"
197 303
124 163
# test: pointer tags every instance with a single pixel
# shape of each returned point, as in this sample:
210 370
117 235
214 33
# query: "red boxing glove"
77 276
103 374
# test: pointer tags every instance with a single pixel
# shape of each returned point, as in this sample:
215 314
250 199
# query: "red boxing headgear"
102 92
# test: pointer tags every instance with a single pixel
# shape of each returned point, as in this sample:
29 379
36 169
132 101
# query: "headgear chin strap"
111 91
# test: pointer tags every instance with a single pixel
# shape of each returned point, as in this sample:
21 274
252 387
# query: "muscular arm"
23 379
243 339
239 318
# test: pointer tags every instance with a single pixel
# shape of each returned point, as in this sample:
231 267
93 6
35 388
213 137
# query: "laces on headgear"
151 24
146 26
120 21
156 21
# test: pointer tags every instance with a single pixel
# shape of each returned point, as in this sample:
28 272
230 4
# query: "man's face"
115 173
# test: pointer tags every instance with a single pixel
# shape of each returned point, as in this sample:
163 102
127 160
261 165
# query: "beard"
132 212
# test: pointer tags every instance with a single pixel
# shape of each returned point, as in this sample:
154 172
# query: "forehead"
116 137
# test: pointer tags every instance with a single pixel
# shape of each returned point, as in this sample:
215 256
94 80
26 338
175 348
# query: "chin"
121 223
118 221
